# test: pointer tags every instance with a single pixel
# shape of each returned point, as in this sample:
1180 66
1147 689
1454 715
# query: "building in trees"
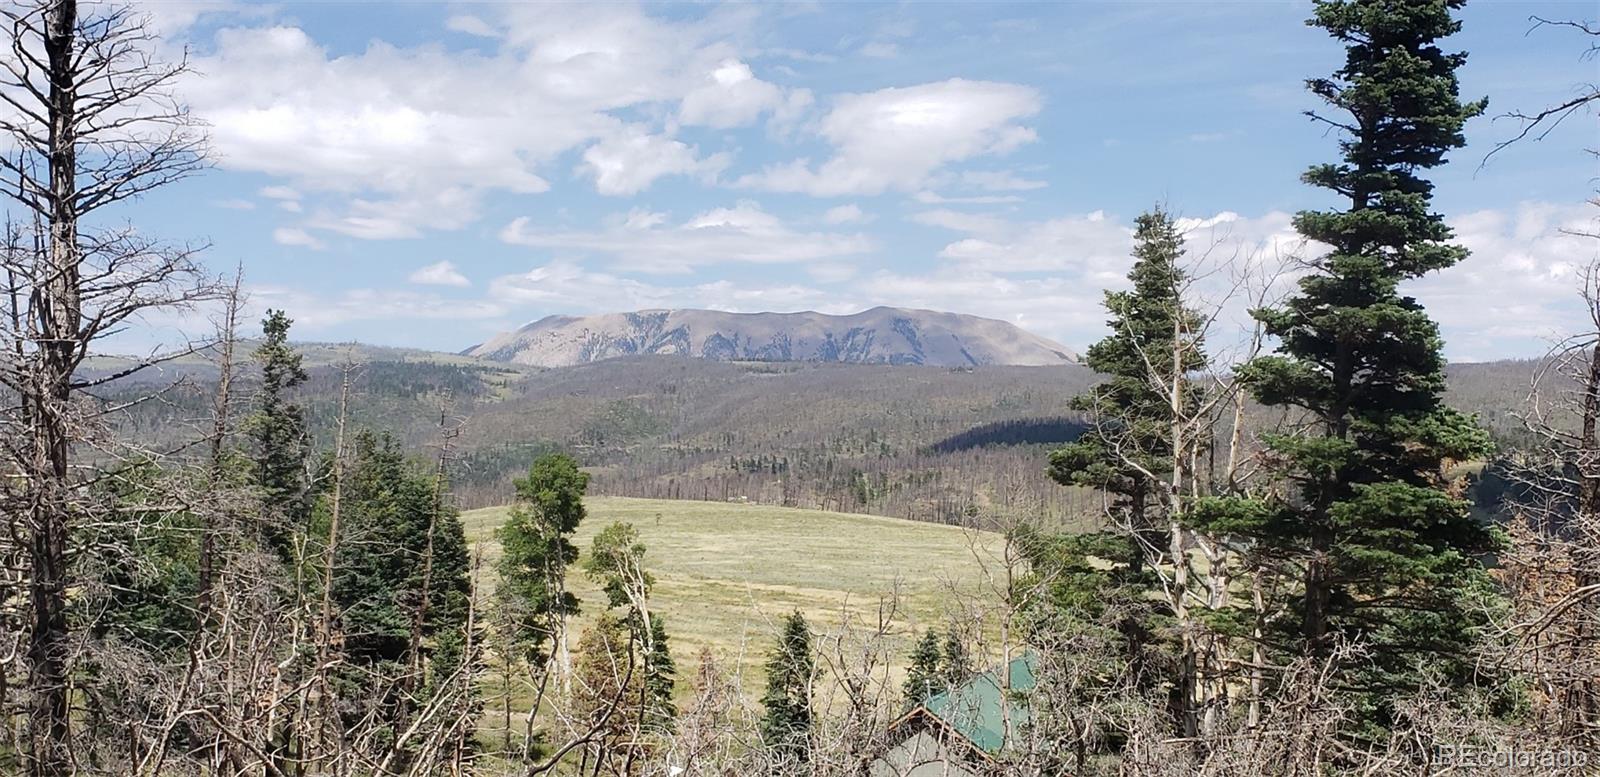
964 730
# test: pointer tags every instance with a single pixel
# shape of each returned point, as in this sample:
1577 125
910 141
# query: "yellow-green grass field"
726 573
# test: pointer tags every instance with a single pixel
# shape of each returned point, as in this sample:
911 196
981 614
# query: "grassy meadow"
727 572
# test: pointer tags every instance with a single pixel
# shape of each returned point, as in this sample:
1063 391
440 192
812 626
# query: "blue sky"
428 174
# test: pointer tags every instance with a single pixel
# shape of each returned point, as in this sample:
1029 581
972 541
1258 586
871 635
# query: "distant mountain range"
882 335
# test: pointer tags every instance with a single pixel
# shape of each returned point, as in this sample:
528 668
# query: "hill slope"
878 336
725 574
910 442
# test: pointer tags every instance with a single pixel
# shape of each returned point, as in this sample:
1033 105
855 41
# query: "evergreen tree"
660 678
786 720
1152 343
1128 453
378 583
537 548
277 434
1089 591
141 571
1383 553
925 677
956 666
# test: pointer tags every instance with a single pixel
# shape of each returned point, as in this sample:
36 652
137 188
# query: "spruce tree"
660 678
1128 454
956 666
1381 551
925 676
378 581
1128 448
277 434
786 720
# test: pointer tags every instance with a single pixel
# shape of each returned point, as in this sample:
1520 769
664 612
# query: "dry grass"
726 573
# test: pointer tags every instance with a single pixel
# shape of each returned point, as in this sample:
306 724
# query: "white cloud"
279 193
844 214
742 233
896 138
1519 288
934 198
279 104
566 286
320 312
1061 308
627 162
961 222
294 236
639 218
800 55
394 125
1000 181
402 217
1091 243
831 272
439 274
471 25
730 96
171 19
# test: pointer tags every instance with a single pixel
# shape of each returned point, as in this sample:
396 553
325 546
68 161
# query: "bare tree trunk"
58 321
419 618
330 556
1258 656
74 82
220 417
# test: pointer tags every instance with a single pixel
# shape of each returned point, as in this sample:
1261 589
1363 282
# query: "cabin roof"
977 709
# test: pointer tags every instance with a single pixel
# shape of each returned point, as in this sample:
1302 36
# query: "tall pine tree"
1129 454
277 433
1129 449
1379 549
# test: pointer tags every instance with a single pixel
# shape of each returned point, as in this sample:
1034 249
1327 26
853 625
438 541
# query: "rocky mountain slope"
881 335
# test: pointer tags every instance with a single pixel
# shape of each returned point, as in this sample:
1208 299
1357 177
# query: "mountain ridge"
879 335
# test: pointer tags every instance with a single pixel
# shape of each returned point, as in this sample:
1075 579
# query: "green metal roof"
973 709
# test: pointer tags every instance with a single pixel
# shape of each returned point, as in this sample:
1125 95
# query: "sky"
426 175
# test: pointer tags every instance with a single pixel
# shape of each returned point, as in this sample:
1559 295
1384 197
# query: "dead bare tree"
1538 124
91 123
1552 569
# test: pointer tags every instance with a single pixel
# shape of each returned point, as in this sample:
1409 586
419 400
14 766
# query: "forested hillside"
924 443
